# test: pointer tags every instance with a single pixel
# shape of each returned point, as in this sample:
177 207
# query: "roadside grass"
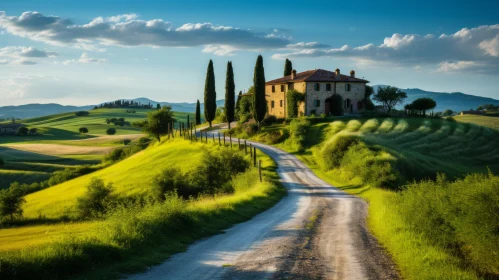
135 237
414 149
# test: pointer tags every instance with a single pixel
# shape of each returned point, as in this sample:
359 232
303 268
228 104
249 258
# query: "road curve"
315 232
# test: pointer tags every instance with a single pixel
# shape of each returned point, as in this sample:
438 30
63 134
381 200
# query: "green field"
491 121
60 145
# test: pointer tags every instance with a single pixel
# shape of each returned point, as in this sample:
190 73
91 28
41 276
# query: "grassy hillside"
491 121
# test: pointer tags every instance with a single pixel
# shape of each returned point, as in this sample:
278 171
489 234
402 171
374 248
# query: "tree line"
126 104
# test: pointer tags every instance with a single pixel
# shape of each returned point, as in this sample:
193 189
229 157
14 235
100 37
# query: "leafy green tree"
198 113
230 93
83 130
111 131
238 101
293 99
259 102
11 201
288 67
423 104
389 96
95 200
158 106
448 112
337 105
22 131
367 98
157 122
210 95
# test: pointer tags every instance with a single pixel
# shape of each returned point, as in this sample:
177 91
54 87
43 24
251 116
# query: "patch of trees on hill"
125 104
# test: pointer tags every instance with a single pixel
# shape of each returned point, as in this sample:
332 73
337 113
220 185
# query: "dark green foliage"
423 104
269 120
33 131
122 153
288 67
214 173
259 102
210 95
331 154
337 105
389 96
447 113
11 201
2 162
461 216
126 141
367 98
157 122
293 99
22 131
82 113
68 173
238 102
94 203
230 92
158 106
298 129
111 131
198 113
83 130
171 181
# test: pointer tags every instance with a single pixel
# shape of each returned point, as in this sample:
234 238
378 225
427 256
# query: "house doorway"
327 107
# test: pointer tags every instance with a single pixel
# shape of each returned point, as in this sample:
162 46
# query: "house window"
291 86
282 88
273 88
328 87
317 87
347 103
317 103
271 104
280 102
347 87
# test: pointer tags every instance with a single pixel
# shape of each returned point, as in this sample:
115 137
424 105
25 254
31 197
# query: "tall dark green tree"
210 95
259 102
238 101
288 67
198 113
11 201
230 93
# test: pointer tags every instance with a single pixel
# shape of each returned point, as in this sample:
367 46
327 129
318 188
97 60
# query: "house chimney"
352 73
337 71
293 74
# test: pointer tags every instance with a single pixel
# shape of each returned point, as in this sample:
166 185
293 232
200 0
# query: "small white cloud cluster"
84 58
23 55
469 49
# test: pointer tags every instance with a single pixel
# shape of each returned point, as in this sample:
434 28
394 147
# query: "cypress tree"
259 102
198 113
230 92
210 95
237 104
288 67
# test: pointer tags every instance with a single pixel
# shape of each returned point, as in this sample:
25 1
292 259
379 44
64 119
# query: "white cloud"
473 49
220 50
127 30
308 45
491 46
16 55
84 58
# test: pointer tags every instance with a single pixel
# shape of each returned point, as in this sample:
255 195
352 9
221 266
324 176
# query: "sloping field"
130 176
491 121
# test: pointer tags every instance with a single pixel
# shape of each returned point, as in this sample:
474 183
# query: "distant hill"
37 110
456 101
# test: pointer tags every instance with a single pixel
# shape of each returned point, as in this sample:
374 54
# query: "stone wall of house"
279 98
355 95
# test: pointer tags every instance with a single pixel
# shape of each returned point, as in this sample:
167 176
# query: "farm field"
491 121
59 144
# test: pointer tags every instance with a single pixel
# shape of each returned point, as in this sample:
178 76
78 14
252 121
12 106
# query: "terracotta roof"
317 75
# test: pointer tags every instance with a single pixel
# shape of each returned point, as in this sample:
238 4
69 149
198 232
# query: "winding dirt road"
315 232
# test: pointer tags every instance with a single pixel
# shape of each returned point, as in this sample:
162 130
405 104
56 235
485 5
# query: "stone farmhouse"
318 86
9 128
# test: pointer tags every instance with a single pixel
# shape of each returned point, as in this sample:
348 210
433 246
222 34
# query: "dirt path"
315 232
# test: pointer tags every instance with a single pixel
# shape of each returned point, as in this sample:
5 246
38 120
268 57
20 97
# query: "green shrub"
293 99
126 141
172 181
68 174
111 131
330 155
96 200
82 113
11 201
22 131
250 128
461 216
83 130
298 129
269 120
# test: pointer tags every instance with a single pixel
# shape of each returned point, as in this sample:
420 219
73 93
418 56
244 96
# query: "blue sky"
86 52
